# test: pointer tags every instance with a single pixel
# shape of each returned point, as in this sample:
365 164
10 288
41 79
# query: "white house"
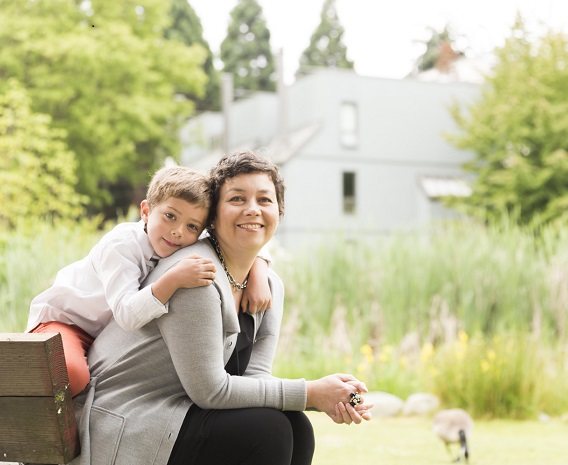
361 156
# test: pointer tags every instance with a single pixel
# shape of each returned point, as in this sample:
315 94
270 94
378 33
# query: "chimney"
446 58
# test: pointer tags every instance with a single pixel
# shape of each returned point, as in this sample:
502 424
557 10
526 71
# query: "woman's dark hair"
243 162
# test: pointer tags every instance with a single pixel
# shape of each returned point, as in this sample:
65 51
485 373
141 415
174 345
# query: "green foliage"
104 73
326 48
508 376
37 170
186 28
374 309
246 52
479 278
30 257
518 131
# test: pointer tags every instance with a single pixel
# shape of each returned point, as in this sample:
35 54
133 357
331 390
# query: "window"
349 192
348 125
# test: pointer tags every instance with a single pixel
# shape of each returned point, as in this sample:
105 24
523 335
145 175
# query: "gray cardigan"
144 381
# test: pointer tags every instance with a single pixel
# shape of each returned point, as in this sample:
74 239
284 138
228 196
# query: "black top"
240 357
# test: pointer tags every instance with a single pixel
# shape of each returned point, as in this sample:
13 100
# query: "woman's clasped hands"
339 396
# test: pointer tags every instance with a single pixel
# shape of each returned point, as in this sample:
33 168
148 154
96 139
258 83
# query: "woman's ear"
144 210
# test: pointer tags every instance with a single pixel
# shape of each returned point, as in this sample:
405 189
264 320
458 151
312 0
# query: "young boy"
87 294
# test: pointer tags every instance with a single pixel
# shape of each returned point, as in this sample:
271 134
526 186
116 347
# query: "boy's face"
173 224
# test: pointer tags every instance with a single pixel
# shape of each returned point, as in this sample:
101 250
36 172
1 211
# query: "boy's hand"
195 271
257 296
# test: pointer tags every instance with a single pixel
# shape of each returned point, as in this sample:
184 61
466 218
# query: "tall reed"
30 256
373 308
476 278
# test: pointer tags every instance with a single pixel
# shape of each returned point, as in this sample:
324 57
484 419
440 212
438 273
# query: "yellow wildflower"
426 352
366 349
433 371
367 352
385 354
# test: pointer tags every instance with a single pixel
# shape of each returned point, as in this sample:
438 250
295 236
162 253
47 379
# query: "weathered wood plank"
38 361
37 418
37 430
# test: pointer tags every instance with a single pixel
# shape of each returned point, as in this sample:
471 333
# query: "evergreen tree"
518 130
186 28
326 48
246 52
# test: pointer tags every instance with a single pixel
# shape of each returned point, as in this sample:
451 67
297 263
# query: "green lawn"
409 441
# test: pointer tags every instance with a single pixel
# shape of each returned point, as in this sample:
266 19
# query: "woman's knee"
273 431
288 436
303 437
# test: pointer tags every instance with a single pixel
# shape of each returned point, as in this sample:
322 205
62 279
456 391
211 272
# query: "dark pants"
249 436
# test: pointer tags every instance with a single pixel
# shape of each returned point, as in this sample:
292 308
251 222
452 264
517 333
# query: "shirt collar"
150 256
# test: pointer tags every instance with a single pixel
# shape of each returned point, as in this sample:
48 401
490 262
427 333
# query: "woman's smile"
250 226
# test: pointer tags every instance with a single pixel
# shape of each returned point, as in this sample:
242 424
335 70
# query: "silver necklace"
233 281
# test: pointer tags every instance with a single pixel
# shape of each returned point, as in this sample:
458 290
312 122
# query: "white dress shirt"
104 284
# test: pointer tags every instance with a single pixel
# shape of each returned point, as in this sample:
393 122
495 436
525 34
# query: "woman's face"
247 212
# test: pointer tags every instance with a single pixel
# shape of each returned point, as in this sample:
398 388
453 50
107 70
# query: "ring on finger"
355 398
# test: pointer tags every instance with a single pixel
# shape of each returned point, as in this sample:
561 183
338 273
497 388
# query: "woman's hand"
346 413
326 393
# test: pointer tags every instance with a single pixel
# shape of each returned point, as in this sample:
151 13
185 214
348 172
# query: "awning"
443 186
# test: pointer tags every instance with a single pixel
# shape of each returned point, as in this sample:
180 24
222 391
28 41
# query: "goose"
454 426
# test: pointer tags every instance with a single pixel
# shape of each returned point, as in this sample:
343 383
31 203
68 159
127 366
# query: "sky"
385 37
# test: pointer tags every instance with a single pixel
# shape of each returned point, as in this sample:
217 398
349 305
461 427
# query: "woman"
195 386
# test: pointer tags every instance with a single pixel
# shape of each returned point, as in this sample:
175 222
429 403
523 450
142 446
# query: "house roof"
462 69
281 148
288 146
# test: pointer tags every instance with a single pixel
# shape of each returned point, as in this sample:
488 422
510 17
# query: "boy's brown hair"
179 182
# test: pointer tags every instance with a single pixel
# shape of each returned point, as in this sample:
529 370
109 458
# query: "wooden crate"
37 419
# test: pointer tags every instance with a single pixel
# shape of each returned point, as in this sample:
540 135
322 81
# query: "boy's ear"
144 210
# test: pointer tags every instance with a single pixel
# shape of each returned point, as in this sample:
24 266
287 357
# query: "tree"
518 130
326 48
246 52
107 77
37 175
434 47
186 28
